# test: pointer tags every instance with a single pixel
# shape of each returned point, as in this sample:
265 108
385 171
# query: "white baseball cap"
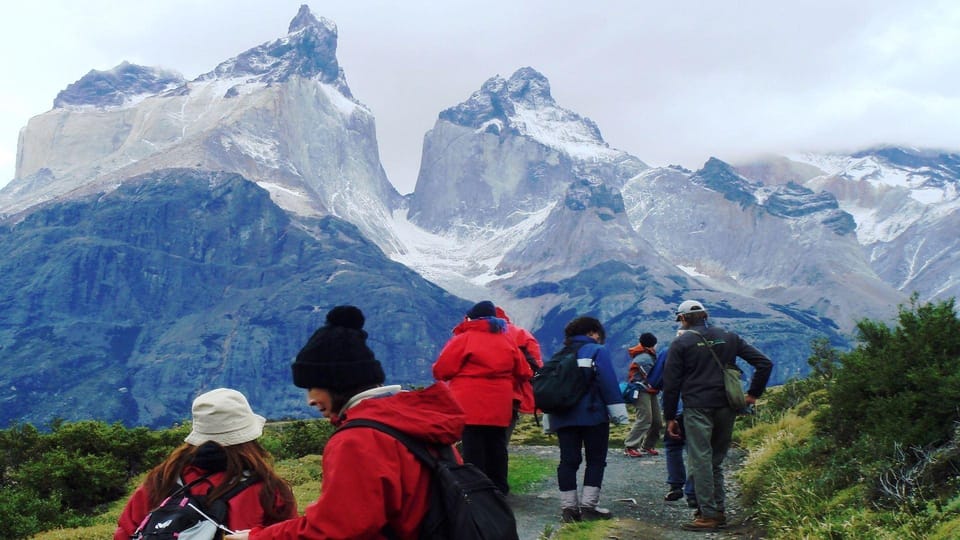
690 306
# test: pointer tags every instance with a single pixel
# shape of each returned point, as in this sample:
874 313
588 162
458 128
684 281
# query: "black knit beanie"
337 357
647 339
482 309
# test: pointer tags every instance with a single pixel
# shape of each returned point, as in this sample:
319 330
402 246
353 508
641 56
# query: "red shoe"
632 452
651 451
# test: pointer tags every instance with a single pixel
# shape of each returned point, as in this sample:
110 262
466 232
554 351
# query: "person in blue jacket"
586 426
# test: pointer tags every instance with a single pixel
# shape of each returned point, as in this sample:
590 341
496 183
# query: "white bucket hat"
224 417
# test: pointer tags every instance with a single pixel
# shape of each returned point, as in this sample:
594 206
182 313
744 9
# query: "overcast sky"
669 82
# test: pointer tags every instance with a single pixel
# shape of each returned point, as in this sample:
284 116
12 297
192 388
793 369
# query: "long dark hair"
244 457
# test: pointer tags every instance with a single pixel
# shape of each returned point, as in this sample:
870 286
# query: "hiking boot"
651 451
703 524
692 503
721 517
592 513
570 515
674 494
632 452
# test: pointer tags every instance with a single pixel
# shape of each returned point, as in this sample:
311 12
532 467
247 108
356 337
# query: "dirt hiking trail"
633 489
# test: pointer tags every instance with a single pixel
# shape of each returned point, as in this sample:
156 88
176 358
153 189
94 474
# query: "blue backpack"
655 377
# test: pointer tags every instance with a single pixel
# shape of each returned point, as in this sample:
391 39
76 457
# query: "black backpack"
559 384
464 503
185 516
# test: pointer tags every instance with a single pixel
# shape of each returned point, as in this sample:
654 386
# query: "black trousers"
486 447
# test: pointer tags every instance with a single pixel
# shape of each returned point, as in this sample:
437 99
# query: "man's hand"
673 429
239 535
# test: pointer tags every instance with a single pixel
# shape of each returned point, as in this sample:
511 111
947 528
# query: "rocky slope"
181 281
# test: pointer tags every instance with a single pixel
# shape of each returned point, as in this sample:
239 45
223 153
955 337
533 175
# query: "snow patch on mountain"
343 103
463 259
553 128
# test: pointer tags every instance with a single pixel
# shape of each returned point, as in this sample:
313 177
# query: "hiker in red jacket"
482 363
522 390
222 446
373 487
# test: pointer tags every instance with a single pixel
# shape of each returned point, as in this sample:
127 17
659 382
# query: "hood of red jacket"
431 414
493 325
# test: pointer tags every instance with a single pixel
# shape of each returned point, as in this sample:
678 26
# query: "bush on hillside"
302 438
894 399
53 479
23 512
58 478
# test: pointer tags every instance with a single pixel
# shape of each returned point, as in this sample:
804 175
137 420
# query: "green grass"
798 490
528 472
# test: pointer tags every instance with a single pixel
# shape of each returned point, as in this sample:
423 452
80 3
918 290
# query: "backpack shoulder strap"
709 348
417 448
185 488
246 481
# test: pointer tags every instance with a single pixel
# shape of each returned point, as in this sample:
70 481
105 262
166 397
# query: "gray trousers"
708 438
645 433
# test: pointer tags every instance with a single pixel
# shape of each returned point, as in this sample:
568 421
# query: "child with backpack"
373 486
585 426
645 433
220 460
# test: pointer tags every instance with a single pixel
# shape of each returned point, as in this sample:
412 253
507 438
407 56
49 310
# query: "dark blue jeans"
676 471
594 441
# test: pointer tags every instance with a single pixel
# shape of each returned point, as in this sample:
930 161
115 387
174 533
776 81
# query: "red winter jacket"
522 389
370 480
244 510
481 363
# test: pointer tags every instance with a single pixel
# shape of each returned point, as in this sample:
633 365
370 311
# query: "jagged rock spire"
309 50
303 19
499 98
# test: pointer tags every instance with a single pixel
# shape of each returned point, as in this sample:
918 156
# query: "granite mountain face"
905 203
170 236
280 114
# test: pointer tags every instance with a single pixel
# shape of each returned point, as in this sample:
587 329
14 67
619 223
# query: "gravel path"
633 490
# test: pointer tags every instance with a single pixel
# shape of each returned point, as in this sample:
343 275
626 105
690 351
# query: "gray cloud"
669 83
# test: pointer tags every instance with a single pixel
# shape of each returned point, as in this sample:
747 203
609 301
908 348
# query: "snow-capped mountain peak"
309 50
524 106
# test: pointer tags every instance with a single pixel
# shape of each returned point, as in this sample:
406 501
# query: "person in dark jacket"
482 364
692 371
586 426
373 487
222 446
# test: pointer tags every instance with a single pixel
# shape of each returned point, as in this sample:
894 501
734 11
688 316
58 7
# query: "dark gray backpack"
464 503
